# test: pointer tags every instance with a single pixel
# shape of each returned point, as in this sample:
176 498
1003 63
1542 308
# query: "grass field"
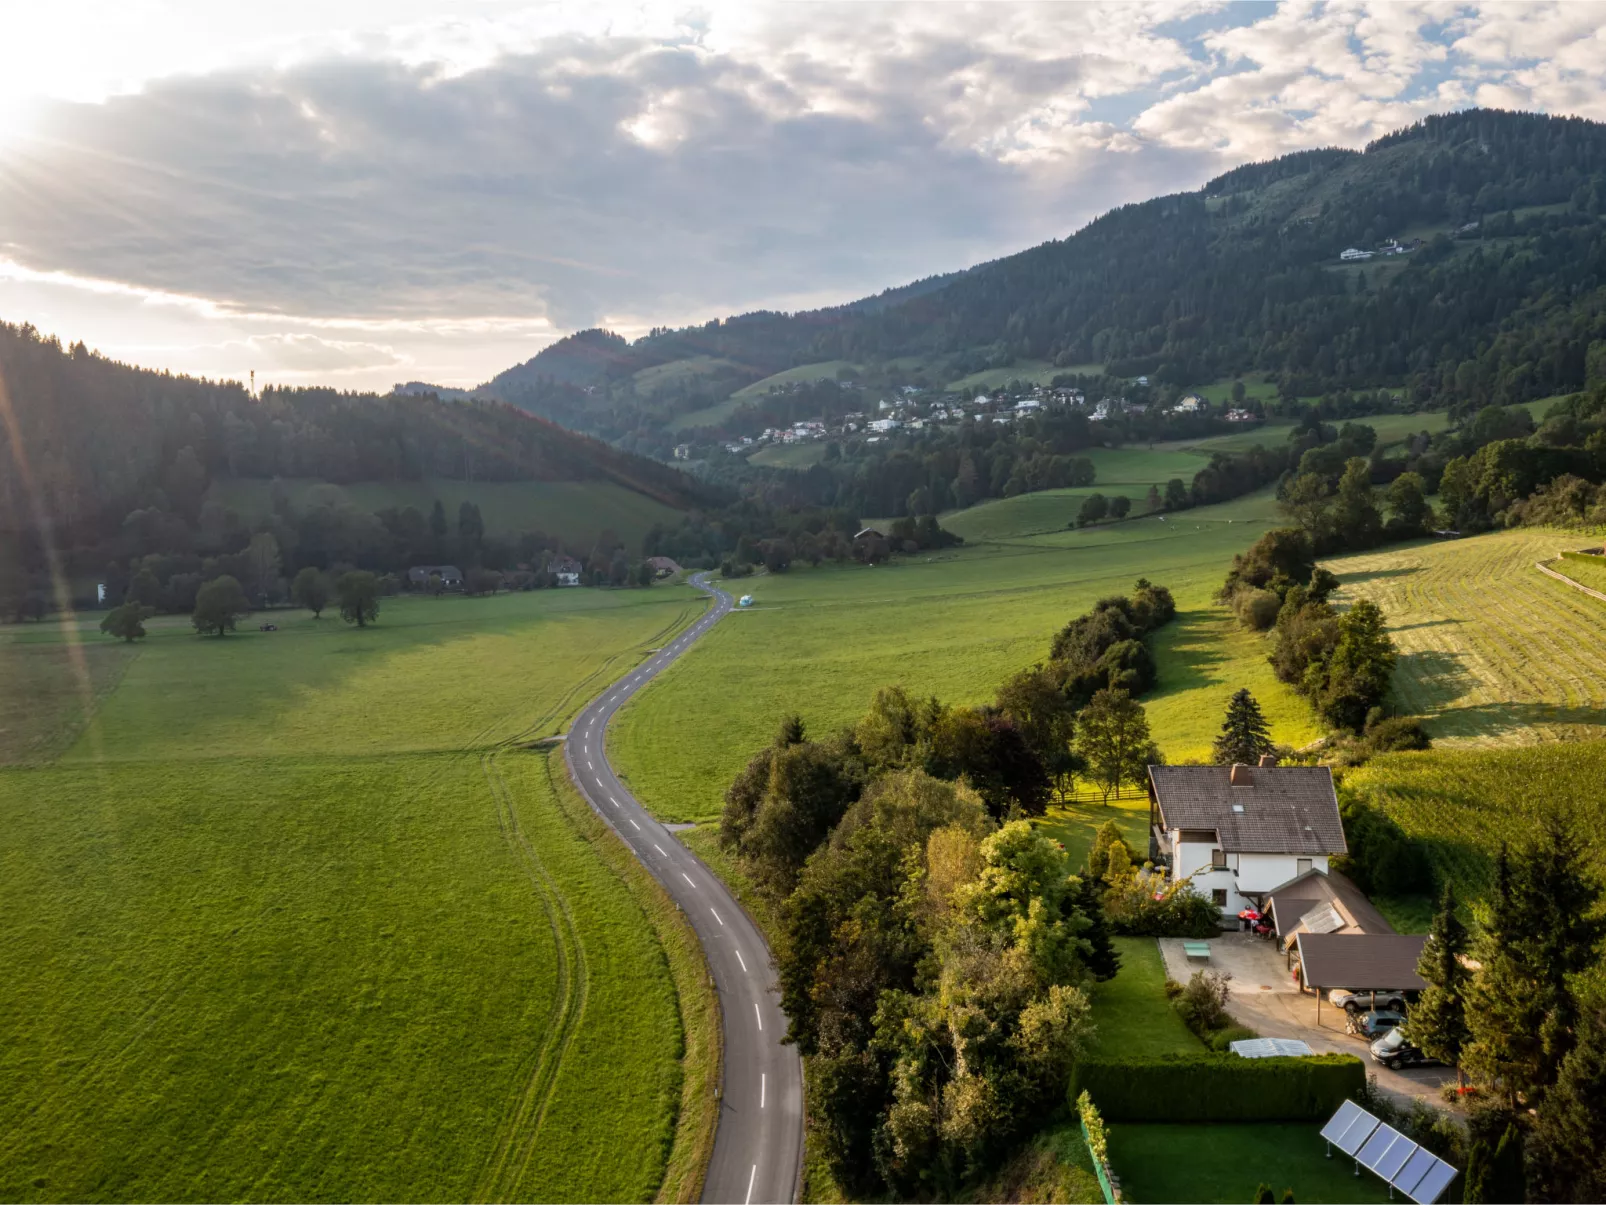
1591 573
790 456
1493 652
825 369
819 643
577 511
1039 372
1226 1163
678 372
1131 1011
293 919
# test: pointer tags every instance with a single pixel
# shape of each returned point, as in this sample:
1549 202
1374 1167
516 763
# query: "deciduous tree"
357 593
311 590
218 604
1112 735
127 622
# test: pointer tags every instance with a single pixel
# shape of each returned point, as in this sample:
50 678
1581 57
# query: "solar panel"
1377 1147
1340 1121
1432 1185
1350 1126
1409 1176
1395 1158
1322 919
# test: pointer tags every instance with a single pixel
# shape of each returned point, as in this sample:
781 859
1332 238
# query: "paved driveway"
1267 1000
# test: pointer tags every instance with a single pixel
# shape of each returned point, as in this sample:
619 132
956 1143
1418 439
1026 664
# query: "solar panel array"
1323 918
1417 1172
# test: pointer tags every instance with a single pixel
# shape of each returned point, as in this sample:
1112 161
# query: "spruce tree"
1101 957
1244 735
1564 1159
1439 1020
1503 1051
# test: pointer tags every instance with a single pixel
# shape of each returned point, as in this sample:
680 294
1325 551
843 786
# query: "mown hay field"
1492 651
820 642
294 919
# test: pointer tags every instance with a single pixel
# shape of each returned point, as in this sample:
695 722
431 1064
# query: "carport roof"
1362 961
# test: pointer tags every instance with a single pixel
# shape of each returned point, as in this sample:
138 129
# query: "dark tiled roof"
1300 894
1362 961
1285 809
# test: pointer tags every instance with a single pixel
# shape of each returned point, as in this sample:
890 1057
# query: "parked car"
1373 1024
1360 1002
1394 1050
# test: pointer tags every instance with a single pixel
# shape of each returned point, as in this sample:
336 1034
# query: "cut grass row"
293 921
1492 651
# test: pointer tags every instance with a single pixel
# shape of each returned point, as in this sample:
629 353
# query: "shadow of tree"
1499 719
1369 575
1190 648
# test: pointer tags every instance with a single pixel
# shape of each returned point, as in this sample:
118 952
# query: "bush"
1217 1087
1202 1004
1402 734
1222 1039
1257 609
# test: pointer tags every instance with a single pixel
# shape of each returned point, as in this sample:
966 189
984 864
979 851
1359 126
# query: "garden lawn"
1133 1016
292 920
820 642
1074 825
1227 1163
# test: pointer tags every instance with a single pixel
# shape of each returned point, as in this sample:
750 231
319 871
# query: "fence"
1562 577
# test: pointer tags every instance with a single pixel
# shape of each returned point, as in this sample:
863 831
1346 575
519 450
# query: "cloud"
351 185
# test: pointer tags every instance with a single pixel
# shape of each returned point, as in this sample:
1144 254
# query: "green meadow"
298 916
820 642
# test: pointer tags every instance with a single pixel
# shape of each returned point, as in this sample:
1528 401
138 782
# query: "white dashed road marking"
741 960
687 877
716 917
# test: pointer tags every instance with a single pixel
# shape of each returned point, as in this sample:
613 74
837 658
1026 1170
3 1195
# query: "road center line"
687 877
751 1176
716 917
741 960
589 766
763 1088
660 849
634 825
759 1015
613 801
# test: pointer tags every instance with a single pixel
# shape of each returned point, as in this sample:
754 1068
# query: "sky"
363 192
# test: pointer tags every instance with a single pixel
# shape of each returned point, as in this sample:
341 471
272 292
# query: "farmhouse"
1192 404
451 577
663 566
566 569
1239 832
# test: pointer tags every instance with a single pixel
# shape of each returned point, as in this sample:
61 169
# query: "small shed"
1360 962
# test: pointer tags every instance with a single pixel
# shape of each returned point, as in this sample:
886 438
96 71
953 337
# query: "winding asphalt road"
758 1147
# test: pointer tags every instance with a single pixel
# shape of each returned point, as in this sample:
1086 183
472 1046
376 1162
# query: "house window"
1301 865
1218 897
1218 859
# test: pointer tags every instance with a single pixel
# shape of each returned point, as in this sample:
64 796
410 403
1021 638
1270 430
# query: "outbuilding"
1361 962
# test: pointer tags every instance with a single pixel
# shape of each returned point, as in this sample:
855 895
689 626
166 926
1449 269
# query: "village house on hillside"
1239 832
566 569
451 577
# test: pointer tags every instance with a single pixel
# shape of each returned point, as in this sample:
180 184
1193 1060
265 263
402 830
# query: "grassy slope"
1493 652
577 511
820 642
790 456
803 372
270 931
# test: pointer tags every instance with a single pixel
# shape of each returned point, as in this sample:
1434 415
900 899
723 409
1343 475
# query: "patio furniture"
1196 949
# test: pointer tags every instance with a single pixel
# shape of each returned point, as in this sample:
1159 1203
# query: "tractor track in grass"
520 1129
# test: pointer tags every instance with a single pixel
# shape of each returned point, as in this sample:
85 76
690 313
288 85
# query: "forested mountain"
1494 299
97 452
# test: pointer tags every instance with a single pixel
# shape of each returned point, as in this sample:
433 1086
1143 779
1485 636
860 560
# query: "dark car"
1394 1050
1373 1024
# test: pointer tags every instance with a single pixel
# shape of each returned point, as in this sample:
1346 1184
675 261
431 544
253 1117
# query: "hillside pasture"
681 372
790 456
574 511
1036 372
296 919
824 370
820 642
1492 652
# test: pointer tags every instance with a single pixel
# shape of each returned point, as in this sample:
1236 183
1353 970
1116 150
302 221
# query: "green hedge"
1218 1087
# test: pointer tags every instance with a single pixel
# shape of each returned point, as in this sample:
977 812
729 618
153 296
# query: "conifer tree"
1564 1152
1439 1020
1244 735
1101 957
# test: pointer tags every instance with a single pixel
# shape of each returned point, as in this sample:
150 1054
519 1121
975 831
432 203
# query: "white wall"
1244 872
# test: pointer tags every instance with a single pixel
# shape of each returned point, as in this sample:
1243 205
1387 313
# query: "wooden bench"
1196 949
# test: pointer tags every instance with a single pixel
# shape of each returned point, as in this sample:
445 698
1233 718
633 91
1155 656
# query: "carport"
1361 962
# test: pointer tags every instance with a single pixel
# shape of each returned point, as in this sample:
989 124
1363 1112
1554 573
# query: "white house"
885 424
1191 404
1354 253
1028 404
1239 832
566 569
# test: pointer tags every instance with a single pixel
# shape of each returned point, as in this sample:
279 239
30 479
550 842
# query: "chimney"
1268 759
1242 775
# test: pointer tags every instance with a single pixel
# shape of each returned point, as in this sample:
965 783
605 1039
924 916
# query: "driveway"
1266 999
